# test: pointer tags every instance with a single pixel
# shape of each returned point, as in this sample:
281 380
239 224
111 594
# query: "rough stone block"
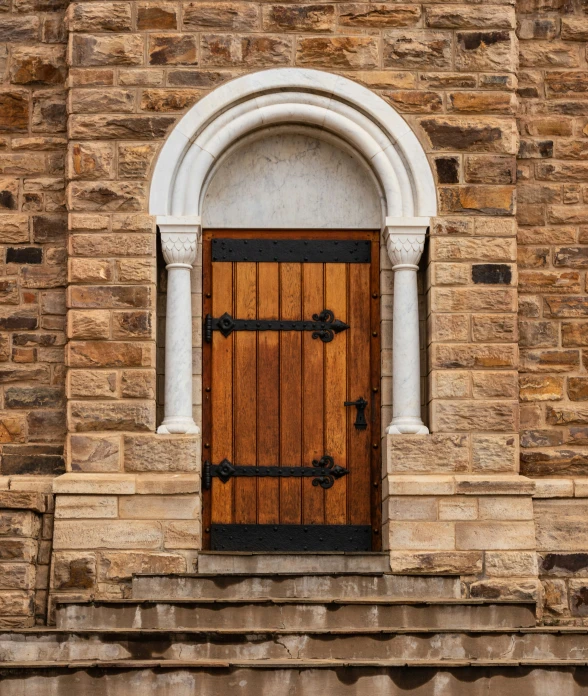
471 134
94 453
494 453
471 416
107 49
86 506
17 576
486 50
99 16
167 484
494 535
92 383
110 354
74 571
93 324
86 416
159 507
117 567
96 484
162 453
505 590
341 52
417 50
436 563
183 534
107 534
511 564
378 15
458 508
38 65
561 524
467 17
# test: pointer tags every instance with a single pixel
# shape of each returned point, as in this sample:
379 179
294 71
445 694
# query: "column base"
178 425
407 425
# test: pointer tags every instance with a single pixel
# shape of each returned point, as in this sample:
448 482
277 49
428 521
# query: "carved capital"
179 239
405 246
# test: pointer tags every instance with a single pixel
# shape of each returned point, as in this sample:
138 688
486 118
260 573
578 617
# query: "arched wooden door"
291 420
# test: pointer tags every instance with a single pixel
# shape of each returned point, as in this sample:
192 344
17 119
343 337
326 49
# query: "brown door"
291 333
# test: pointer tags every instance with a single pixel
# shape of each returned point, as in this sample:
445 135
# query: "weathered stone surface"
91 160
473 300
183 534
107 195
466 17
120 416
494 453
567 306
99 16
421 536
122 566
92 383
107 49
15 602
111 354
14 112
417 49
33 397
38 65
554 462
405 508
124 127
511 564
74 571
89 324
107 534
378 15
343 52
541 388
414 102
486 50
159 507
494 535
94 453
24 550
484 200
20 523
110 296
467 417
505 589
473 356
436 563
563 564
561 524
91 101
494 328
161 453
112 244
172 49
19 29
480 169
549 360
168 100
225 16
86 506
479 134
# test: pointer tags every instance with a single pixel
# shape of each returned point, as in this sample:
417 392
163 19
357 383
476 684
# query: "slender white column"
179 237
405 243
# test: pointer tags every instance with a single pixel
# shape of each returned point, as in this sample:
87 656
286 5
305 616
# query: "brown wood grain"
290 392
313 497
245 392
268 393
335 391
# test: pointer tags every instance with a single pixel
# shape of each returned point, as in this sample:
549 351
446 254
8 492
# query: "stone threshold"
378 600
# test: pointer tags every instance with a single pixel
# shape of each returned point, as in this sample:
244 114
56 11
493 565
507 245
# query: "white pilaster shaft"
179 244
405 247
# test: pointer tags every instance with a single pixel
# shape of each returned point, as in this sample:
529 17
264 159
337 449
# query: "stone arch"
341 110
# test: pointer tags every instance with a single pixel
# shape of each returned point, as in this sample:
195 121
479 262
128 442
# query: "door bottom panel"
290 537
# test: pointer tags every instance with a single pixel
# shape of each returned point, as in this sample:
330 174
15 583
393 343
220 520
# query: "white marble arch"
334 108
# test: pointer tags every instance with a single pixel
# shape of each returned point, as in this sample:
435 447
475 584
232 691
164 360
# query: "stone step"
300 614
410 645
296 678
250 563
195 586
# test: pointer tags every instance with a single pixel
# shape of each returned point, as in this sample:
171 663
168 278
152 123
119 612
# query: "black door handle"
360 404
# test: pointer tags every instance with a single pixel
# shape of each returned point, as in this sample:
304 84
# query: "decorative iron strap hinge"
324 472
323 325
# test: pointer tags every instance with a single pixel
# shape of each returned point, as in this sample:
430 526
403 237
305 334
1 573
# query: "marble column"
405 243
179 239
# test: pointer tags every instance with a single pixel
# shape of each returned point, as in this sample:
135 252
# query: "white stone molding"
329 104
179 238
405 241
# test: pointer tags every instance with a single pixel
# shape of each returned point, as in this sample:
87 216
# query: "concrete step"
299 614
195 586
234 647
250 563
296 678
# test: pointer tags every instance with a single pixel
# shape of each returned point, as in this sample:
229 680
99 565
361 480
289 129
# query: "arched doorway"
282 158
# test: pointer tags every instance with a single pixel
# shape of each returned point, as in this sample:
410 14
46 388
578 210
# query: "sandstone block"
124 127
473 356
86 506
168 100
14 112
90 160
413 102
561 524
494 453
13 427
97 484
538 334
541 388
106 244
417 50
554 462
38 65
122 566
467 17
107 49
137 384
90 270
482 169
448 80
574 29
159 507
341 52
376 15
450 385
17 29
33 397
505 589
494 535
572 306
106 196
183 534
407 508
419 485
132 325
554 488
74 571
471 134
427 453
135 271
495 328
511 564
422 536
449 327
158 16
92 101
120 416
99 16
563 564
473 299
578 388
505 508
555 597
94 453
167 484
110 296
22 500
467 416
19 524
226 16
110 354
93 324
436 563
567 215
486 50
22 550
476 200
134 160
162 453
549 360
16 603
92 383
107 534
17 576
458 508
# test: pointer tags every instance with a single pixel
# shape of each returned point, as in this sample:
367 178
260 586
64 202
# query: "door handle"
360 404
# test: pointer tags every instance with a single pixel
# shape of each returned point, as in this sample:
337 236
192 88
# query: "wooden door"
276 382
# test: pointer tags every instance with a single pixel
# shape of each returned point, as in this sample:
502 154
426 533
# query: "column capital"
179 238
405 241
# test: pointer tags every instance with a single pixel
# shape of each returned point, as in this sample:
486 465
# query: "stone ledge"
466 484
23 500
127 484
561 488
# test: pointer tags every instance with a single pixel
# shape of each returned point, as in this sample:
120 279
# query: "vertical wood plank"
221 436
375 372
268 390
335 413
245 392
358 385
290 392
313 497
